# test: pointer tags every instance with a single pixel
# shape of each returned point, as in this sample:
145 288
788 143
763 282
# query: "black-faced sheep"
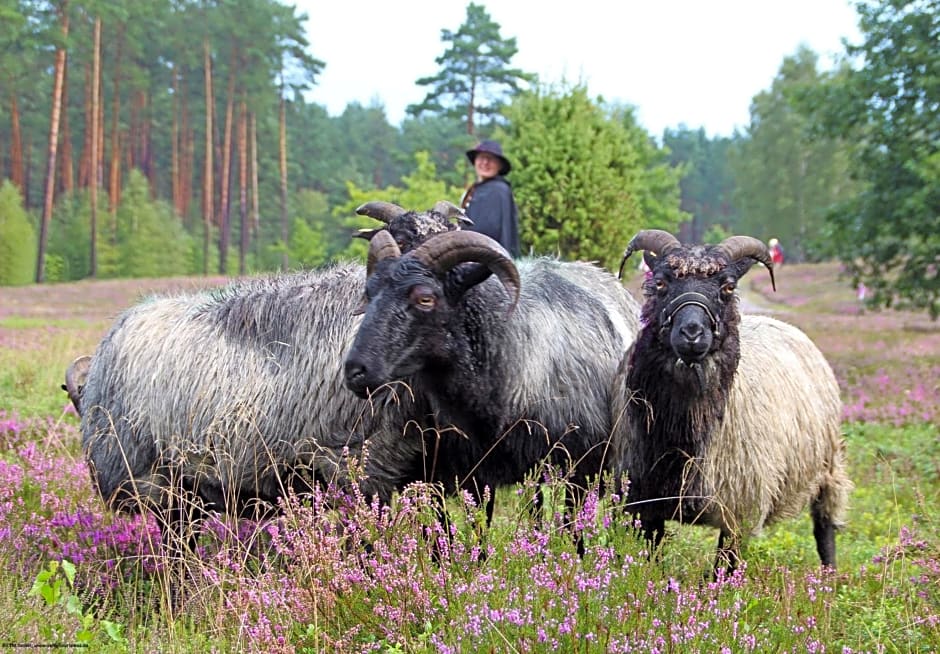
722 421
508 364
224 399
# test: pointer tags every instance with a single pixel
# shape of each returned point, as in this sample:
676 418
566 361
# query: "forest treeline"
159 138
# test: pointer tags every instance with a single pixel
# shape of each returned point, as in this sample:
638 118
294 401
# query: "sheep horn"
382 246
656 241
367 234
75 377
443 252
380 210
450 211
738 247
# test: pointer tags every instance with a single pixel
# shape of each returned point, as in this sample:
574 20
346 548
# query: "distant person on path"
861 293
776 251
489 202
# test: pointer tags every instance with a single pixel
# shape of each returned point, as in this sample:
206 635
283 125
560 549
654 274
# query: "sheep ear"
461 279
742 266
446 251
650 258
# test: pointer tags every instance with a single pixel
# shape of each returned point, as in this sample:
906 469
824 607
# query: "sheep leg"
824 531
653 532
443 518
729 555
490 507
535 508
574 500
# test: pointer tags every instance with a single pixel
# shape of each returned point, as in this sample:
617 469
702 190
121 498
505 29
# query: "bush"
17 239
151 241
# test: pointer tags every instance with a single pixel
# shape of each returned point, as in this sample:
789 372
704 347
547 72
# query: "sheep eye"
659 284
423 298
727 289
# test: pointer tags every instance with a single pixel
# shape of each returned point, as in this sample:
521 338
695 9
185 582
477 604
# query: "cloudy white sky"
692 62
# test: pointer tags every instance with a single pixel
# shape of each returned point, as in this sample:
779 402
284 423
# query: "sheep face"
690 303
412 300
402 330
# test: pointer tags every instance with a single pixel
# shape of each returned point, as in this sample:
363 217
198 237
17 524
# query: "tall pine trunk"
83 164
114 186
253 144
243 225
282 159
175 145
95 153
49 197
226 162
17 173
138 146
67 175
208 185
187 156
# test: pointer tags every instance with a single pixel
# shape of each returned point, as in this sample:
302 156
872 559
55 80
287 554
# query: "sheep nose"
356 374
692 331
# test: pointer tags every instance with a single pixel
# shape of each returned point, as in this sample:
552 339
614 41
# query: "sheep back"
796 447
778 444
226 388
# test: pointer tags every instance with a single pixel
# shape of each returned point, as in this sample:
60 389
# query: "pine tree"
475 77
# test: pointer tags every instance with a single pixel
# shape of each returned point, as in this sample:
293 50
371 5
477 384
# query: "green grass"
355 579
26 322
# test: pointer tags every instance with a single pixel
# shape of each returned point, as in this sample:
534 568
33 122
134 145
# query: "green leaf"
114 630
49 594
73 605
69 569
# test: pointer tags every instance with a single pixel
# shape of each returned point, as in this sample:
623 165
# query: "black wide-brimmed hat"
493 148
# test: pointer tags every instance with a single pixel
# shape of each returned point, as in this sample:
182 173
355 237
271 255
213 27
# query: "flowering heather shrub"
905 397
352 576
887 362
361 573
339 573
336 572
49 511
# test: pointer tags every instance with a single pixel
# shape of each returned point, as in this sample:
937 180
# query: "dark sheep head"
411 300
410 228
690 293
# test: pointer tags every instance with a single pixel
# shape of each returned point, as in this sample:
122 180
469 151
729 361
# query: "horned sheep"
507 364
224 399
722 420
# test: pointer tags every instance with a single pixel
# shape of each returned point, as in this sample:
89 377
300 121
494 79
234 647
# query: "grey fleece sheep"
225 399
722 421
503 372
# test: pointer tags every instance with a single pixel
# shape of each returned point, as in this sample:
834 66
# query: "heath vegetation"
339 573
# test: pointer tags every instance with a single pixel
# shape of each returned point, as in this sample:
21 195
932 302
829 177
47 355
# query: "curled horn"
450 211
380 210
738 247
75 378
657 241
445 251
384 211
382 246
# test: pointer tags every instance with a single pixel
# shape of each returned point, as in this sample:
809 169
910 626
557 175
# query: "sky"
696 63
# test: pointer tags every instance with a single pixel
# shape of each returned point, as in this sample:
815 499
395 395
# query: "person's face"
486 165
